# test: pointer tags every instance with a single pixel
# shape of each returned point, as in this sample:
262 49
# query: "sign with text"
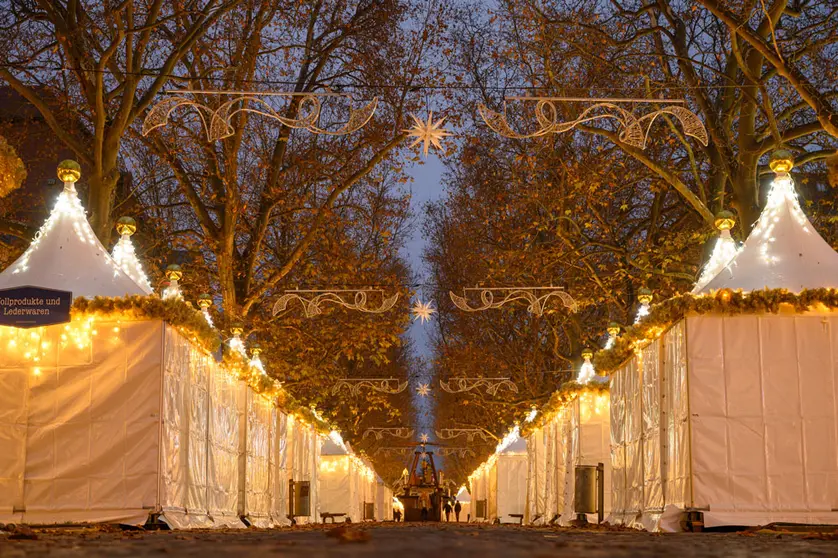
34 307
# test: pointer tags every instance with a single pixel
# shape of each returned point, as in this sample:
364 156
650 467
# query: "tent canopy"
67 256
783 251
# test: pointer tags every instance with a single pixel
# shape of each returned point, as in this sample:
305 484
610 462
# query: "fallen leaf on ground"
347 535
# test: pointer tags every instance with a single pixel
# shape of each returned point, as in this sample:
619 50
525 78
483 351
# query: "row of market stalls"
721 405
123 412
529 478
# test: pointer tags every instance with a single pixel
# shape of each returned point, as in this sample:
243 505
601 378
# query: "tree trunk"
100 202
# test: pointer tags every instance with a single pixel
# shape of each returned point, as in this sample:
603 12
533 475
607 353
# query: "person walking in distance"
447 509
457 509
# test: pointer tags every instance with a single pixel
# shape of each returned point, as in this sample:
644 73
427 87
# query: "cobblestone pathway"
407 541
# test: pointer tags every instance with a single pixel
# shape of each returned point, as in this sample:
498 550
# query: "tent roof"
783 251
516 447
66 255
329 447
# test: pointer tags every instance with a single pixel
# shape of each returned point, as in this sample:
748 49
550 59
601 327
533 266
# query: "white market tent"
499 486
734 419
578 434
119 420
347 484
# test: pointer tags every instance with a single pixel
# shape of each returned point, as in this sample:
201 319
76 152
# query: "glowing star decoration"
424 438
422 311
428 133
724 251
126 257
423 390
645 297
586 371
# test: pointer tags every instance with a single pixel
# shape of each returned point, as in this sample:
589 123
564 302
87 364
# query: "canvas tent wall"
346 484
133 423
733 416
500 485
138 421
383 501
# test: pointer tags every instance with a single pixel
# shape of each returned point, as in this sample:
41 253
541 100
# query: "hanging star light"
423 390
422 311
428 133
424 438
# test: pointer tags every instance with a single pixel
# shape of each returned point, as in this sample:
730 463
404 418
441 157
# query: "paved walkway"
408 541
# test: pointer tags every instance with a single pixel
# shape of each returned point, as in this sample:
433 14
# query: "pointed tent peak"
125 255
724 250
65 253
783 251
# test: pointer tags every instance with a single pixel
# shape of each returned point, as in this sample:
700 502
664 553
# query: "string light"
586 371
644 295
613 331
173 274
724 250
235 343
67 207
126 257
204 302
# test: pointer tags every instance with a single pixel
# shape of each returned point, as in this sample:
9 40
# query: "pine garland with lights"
560 399
724 302
175 312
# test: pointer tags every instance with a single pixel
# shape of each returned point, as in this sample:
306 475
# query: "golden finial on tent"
781 161
69 171
126 226
725 220
174 272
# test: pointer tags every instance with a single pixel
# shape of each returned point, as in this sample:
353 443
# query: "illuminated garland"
723 301
175 312
560 399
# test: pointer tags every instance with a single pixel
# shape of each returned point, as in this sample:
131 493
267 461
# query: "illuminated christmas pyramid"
784 251
66 255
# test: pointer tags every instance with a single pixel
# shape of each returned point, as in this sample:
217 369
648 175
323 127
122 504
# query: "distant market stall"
499 485
573 429
724 405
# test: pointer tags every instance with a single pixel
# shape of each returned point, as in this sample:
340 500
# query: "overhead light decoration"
424 438
492 385
422 311
204 303
428 133
586 371
318 297
218 123
724 250
634 130
381 385
644 296
125 255
423 390
174 274
537 297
